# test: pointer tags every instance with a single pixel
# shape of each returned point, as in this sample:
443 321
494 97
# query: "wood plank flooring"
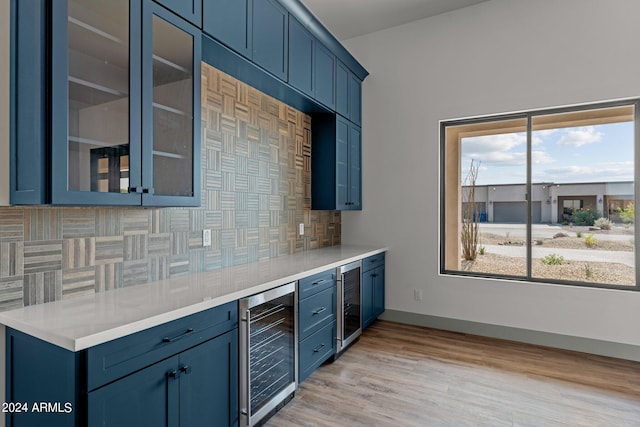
402 375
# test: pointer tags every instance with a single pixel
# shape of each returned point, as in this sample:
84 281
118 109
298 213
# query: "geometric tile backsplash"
256 189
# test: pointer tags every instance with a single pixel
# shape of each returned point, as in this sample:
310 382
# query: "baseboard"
566 342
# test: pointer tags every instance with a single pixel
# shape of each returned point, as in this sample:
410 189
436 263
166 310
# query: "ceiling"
352 18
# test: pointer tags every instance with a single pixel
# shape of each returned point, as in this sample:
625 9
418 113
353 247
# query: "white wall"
5 31
498 56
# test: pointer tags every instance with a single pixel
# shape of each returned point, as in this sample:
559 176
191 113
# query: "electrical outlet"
206 237
417 294
301 229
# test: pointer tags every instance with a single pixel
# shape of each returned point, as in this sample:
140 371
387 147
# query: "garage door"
516 212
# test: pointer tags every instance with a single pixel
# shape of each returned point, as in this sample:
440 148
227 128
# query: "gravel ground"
569 242
592 272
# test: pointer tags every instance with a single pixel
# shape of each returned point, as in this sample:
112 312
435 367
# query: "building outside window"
542 196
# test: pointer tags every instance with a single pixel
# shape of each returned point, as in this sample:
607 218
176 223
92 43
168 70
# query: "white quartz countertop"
79 323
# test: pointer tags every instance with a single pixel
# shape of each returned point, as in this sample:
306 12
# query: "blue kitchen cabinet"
311 65
317 302
324 76
230 22
270 37
41 372
302 48
336 164
354 196
198 387
149 397
348 94
373 288
181 373
125 105
355 99
28 102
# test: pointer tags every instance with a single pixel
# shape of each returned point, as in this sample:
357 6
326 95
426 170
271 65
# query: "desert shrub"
588 272
553 259
579 234
590 240
481 250
585 216
628 215
603 223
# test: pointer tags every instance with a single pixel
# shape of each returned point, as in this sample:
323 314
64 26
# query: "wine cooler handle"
245 355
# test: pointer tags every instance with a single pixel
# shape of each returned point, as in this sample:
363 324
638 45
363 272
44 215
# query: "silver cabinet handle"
318 311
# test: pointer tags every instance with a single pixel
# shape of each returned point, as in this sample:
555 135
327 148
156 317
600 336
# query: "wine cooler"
349 309
268 352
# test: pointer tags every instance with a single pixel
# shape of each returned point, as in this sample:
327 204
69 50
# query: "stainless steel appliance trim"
343 342
245 398
339 312
245 305
348 267
275 401
266 296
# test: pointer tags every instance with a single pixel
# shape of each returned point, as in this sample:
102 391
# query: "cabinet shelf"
94 30
172 110
173 65
97 86
168 155
95 142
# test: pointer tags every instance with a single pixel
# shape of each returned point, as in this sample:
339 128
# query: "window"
542 196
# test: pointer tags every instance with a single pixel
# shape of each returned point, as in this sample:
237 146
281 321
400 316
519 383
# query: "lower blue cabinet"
317 303
316 349
189 378
198 387
373 276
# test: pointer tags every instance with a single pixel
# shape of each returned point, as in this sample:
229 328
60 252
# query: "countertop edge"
84 342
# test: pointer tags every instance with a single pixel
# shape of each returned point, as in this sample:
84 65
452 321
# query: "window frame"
529 116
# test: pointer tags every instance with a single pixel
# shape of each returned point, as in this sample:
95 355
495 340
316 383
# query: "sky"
579 154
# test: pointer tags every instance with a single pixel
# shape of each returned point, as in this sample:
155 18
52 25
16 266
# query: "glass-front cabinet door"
171 86
123 105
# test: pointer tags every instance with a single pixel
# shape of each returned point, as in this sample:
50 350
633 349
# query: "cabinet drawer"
316 283
372 262
316 311
316 349
114 359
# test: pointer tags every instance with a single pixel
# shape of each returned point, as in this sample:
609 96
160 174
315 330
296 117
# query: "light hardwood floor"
402 375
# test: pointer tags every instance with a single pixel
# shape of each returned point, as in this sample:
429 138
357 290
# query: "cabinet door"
342 89
209 383
230 22
149 397
378 291
355 99
270 41
355 162
28 80
95 99
301 57
325 70
191 10
342 163
171 109
368 281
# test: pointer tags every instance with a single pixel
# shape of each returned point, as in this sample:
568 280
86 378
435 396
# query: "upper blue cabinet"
302 48
311 65
348 94
125 100
270 37
230 22
325 76
191 10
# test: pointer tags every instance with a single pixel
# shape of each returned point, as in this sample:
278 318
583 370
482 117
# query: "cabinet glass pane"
172 110
98 126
